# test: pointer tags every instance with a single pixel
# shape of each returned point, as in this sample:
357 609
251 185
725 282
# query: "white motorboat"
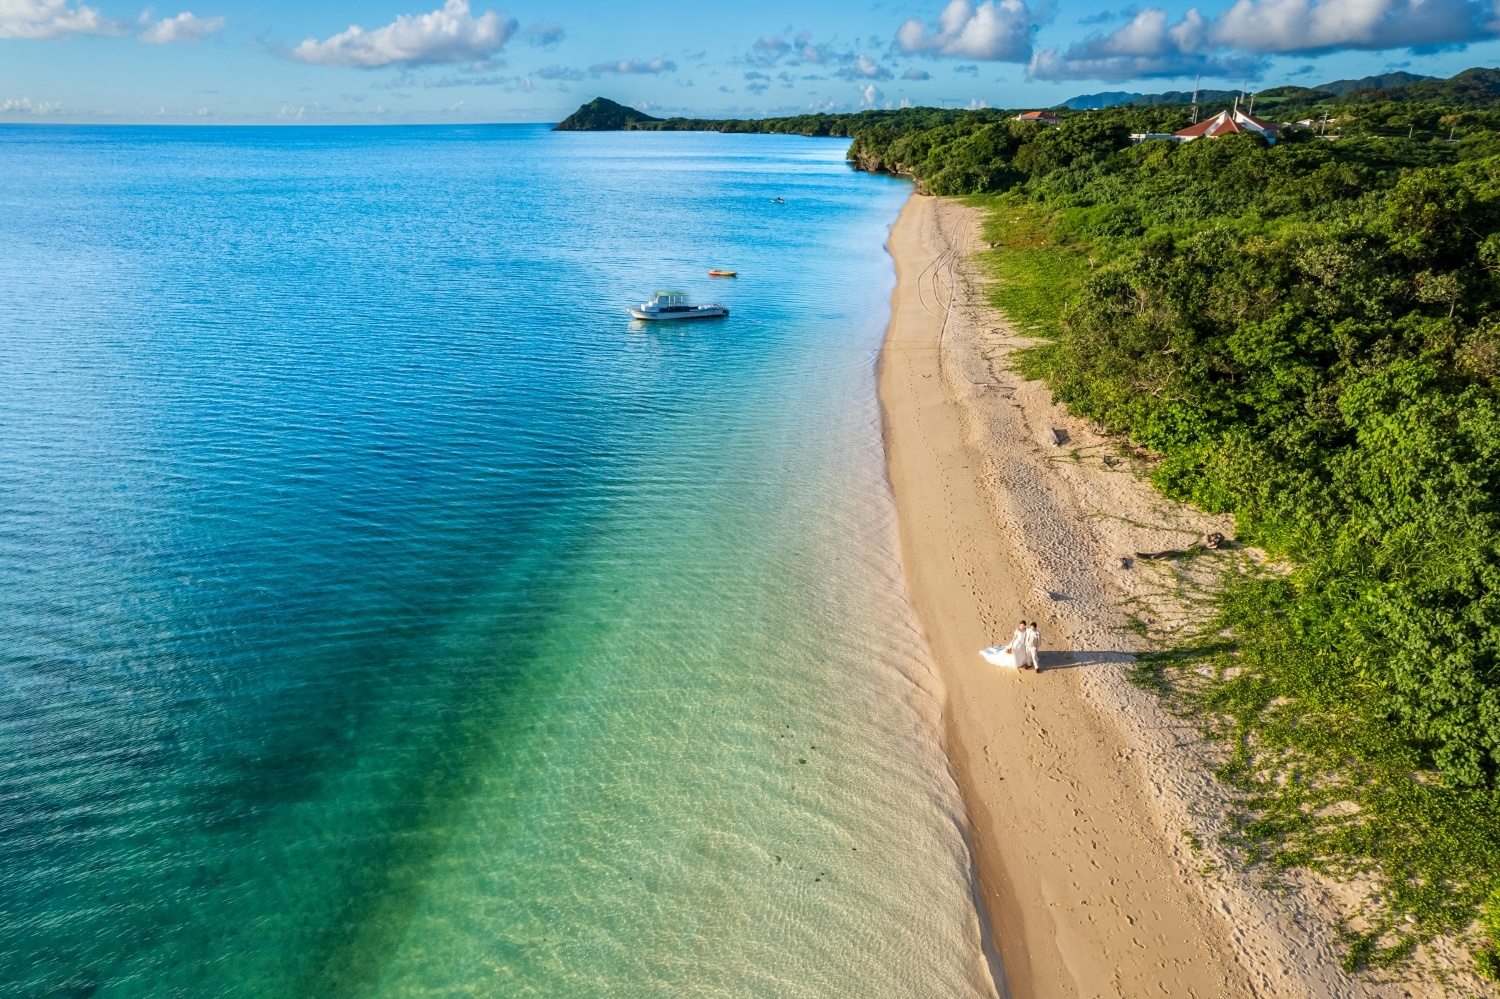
674 305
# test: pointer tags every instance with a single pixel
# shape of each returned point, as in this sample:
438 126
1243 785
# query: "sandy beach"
1093 813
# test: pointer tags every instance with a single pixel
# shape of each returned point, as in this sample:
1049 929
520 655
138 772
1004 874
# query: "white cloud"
544 35
769 49
510 83
995 31
631 67
555 72
451 34
1235 42
807 52
1147 46
870 96
1311 26
51 19
24 105
864 68
800 50
916 74
185 27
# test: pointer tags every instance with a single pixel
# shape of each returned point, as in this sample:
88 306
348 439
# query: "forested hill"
1473 88
603 115
1378 82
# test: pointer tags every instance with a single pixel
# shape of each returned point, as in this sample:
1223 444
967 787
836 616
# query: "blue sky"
266 61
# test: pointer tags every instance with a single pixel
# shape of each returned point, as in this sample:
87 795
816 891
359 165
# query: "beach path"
1089 892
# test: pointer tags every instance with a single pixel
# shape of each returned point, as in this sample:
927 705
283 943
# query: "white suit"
1033 644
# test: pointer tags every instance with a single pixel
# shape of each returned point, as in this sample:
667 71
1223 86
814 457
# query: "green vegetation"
1372 82
603 115
1473 88
1304 336
1034 276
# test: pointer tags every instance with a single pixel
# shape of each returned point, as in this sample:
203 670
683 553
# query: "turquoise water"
385 613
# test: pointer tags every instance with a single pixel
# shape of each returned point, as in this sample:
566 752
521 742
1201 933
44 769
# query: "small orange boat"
723 273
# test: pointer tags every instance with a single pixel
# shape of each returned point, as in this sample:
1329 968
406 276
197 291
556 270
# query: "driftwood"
1210 541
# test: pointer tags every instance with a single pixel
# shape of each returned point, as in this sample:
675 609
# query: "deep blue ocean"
383 612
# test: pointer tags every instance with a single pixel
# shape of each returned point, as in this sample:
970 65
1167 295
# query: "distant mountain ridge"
1382 82
1093 102
1337 88
1473 88
1185 97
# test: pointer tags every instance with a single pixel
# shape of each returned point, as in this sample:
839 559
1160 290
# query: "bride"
1021 648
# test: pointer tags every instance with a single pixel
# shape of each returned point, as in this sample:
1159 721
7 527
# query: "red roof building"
1224 123
1046 116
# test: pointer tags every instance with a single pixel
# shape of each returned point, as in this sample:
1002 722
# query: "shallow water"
386 614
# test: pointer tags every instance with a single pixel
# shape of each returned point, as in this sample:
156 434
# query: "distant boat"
777 201
674 305
723 273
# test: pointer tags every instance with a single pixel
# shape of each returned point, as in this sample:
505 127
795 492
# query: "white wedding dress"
1013 656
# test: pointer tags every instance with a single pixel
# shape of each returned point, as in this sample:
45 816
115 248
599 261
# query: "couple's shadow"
1083 659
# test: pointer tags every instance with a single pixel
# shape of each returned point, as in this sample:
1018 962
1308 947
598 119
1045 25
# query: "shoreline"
1086 803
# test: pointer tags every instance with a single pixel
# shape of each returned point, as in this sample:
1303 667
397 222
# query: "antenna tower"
1195 97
